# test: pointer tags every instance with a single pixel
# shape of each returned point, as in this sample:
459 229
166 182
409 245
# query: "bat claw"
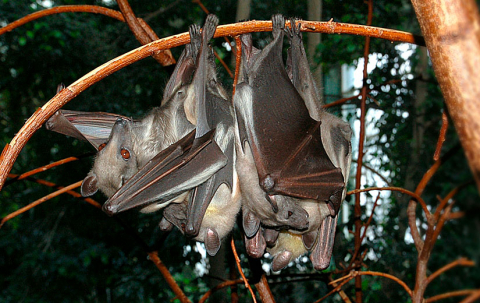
109 209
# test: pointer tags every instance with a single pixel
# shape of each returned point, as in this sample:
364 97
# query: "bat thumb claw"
190 230
109 209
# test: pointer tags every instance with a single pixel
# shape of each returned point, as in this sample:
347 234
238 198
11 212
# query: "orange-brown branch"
39 201
239 266
168 277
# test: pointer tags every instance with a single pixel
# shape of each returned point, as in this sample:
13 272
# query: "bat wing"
178 168
336 136
213 112
94 127
285 141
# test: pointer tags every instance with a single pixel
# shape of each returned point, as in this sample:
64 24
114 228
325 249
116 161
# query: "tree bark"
452 34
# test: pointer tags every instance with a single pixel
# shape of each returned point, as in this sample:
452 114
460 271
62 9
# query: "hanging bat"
336 136
201 163
270 110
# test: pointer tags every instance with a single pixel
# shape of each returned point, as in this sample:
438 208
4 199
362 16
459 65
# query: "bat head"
115 162
289 212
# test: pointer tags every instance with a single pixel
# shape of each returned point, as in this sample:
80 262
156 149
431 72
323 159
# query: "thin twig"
336 289
39 201
449 196
457 293
441 137
459 262
473 297
239 266
43 168
168 277
238 60
399 189
218 287
341 293
361 152
70 192
369 219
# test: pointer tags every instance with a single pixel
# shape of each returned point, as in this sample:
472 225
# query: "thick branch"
452 34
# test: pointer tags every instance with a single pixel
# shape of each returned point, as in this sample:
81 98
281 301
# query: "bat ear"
250 223
281 260
271 236
212 242
255 246
89 185
309 239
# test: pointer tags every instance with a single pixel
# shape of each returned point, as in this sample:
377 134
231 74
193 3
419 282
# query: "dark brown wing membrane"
285 140
179 168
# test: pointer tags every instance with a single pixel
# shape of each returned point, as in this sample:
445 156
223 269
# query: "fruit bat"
200 165
336 136
124 144
289 152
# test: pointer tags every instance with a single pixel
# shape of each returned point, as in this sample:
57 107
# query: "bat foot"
281 260
278 23
212 242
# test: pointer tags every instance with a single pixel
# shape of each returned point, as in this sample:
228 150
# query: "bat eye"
101 146
125 154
